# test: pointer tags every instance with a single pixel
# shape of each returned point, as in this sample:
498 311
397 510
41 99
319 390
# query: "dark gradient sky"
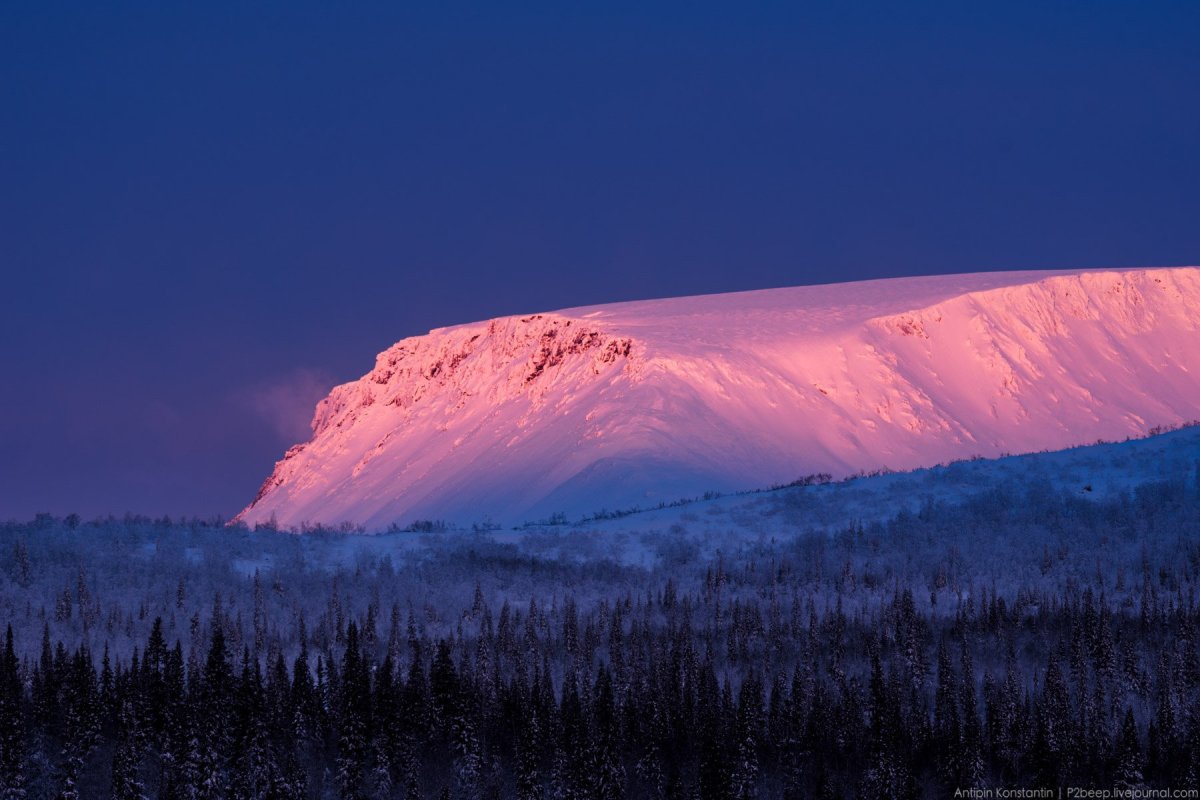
210 213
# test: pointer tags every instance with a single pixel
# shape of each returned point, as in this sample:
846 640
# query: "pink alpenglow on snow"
634 404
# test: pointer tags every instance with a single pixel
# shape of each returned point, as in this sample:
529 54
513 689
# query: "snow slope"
633 404
1101 472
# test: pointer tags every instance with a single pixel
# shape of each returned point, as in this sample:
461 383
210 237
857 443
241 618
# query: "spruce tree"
12 729
126 763
1128 772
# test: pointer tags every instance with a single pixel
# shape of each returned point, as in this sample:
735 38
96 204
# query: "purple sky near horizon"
210 214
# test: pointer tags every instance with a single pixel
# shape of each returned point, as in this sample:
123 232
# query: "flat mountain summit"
635 404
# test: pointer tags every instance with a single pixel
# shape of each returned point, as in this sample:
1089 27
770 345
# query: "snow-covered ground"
633 404
1097 472
1101 472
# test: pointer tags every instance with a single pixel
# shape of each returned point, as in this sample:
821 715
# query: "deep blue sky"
210 213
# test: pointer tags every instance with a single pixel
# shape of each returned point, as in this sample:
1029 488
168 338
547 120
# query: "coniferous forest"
1024 638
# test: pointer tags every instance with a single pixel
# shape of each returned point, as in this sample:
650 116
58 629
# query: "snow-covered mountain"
633 404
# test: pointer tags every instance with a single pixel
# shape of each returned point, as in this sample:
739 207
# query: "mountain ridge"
641 402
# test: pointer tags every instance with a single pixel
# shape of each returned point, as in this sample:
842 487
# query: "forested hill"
1025 633
1097 471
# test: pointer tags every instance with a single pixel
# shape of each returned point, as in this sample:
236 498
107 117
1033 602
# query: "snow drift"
633 404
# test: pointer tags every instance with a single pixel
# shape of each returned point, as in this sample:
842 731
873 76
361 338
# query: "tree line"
661 695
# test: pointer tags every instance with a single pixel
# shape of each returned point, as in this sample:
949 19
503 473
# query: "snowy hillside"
1110 472
633 404
798 613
